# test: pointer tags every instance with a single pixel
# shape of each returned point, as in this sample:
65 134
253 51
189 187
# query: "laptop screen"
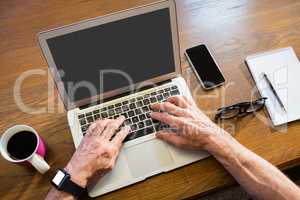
114 55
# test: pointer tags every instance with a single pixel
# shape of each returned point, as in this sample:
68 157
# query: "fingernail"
92 126
153 113
157 135
121 117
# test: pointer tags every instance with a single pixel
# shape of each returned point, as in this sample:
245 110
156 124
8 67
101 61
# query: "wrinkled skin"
193 127
97 152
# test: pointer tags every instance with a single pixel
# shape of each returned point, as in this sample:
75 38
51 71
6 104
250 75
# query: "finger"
171 138
189 100
166 118
120 136
111 127
97 127
169 108
178 101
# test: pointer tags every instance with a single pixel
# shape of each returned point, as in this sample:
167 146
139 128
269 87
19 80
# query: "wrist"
80 177
218 143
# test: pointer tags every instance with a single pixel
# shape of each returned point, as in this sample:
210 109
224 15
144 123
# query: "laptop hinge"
122 95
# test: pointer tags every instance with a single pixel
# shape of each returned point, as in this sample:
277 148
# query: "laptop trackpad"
148 158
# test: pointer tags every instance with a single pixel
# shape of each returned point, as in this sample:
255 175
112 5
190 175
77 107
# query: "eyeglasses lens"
229 113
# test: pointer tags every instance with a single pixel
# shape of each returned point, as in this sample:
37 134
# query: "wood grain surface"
232 29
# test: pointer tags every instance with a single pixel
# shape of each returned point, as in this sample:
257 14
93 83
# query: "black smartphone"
205 66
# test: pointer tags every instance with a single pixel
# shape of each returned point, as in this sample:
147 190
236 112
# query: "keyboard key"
135 134
81 116
125 108
166 94
84 128
161 126
160 97
133 127
139 104
125 102
118 104
174 92
132 106
146 102
144 132
82 121
118 110
160 91
95 111
116 116
125 115
148 122
132 100
153 93
88 114
97 116
131 113
139 98
130 136
138 111
148 115
145 109
157 127
146 96
174 87
111 107
104 115
111 113
90 119
135 119
103 109
128 122
142 117
141 124
167 89
153 100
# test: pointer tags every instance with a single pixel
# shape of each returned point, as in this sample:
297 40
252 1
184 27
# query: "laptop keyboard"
136 111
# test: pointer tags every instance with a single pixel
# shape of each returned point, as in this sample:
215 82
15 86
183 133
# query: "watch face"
59 177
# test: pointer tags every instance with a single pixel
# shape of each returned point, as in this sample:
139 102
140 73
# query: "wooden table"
232 29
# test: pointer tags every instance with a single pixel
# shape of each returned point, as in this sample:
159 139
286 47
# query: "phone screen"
205 66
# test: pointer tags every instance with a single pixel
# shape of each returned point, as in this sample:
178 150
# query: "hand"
194 129
98 151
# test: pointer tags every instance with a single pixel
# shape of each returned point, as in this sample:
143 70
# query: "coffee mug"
21 144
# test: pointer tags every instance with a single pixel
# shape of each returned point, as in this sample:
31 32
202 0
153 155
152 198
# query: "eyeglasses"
240 109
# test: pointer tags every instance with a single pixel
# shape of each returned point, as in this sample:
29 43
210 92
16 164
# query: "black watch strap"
72 188
62 181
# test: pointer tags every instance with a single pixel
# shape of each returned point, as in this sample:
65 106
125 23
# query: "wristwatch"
62 182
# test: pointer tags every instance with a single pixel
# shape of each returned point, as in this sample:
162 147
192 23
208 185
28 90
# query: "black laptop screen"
127 51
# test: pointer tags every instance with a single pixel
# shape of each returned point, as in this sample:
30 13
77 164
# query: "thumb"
171 138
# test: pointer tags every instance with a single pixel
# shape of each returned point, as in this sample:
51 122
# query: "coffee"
21 145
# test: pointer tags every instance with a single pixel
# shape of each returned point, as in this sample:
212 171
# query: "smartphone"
205 67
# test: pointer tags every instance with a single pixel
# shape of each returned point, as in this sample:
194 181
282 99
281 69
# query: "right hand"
194 130
98 151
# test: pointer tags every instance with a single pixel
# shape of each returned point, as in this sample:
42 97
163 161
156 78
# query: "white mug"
36 159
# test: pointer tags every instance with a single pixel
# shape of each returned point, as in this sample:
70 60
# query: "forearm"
55 194
260 179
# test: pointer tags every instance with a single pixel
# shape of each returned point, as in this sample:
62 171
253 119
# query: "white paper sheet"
283 69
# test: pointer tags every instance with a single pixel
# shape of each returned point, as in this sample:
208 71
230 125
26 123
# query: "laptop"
120 64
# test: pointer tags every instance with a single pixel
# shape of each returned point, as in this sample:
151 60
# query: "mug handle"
39 163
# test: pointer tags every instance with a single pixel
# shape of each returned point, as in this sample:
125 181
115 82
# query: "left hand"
98 151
